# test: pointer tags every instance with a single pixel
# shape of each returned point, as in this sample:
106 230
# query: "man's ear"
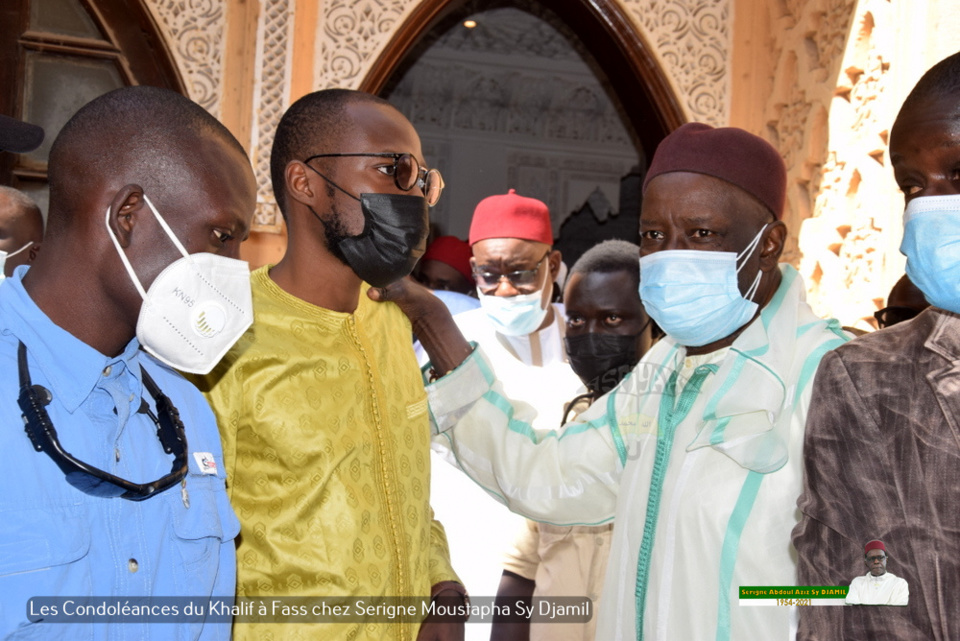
772 246
296 179
554 260
125 208
34 250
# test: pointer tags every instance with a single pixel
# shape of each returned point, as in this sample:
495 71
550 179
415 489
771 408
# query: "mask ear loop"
123 257
746 252
19 250
166 228
123 254
753 288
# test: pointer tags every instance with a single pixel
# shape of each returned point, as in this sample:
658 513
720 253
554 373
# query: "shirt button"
132 565
688 363
599 541
107 370
132 396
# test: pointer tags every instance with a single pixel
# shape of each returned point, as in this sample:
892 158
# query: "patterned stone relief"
354 32
194 31
270 101
692 39
855 213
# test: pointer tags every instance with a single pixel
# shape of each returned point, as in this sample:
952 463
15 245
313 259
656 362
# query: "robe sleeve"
566 478
901 593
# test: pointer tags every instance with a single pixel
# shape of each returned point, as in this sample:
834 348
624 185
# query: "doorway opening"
557 102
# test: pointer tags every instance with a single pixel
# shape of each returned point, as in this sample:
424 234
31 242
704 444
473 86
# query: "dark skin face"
505 255
439 276
606 303
906 294
309 270
683 210
18 227
876 561
925 149
209 209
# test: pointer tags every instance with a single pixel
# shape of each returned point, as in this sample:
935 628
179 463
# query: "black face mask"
394 236
393 239
602 360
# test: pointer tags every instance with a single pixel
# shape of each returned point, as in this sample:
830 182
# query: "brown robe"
882 461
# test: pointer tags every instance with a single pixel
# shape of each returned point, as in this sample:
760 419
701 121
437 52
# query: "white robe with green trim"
722 491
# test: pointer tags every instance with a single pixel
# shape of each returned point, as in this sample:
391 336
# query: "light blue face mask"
693 294
514 315
931 243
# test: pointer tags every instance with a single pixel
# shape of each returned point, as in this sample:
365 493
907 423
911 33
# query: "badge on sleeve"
206 462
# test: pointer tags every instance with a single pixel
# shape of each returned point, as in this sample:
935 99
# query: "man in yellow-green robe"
321 404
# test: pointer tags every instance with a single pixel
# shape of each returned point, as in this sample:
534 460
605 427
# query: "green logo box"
793 591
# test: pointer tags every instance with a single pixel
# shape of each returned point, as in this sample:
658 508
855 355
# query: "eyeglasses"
86 478
892 315
872 559
407 173
522 279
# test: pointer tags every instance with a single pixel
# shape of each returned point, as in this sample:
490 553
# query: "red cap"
511 216
452 251
874 545
727 153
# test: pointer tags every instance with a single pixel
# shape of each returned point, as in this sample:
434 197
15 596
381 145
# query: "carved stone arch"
607 32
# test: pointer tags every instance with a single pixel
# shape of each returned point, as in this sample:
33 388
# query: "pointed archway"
610 36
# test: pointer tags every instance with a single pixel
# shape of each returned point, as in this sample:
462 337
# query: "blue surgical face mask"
514 315
693 294
931 243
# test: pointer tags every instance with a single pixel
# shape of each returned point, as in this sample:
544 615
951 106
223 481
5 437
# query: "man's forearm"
431 321
441 339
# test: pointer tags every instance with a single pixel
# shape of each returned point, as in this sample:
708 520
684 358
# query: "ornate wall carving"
271 99
692 38
194 31
845 245
354 32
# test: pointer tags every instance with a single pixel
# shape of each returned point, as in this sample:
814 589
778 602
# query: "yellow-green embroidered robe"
326 442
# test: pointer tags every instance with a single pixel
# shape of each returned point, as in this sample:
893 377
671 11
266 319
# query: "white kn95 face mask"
195 309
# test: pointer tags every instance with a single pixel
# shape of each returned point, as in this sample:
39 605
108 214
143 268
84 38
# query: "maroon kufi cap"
511 215
727 153
452 251
874 545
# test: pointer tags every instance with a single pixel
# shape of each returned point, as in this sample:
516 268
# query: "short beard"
334 232
333 229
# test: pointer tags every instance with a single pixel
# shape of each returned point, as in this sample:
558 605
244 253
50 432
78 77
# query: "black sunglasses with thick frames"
893 314
523 280
407 173
87 478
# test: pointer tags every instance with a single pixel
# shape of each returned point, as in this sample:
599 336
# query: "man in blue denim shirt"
134 504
